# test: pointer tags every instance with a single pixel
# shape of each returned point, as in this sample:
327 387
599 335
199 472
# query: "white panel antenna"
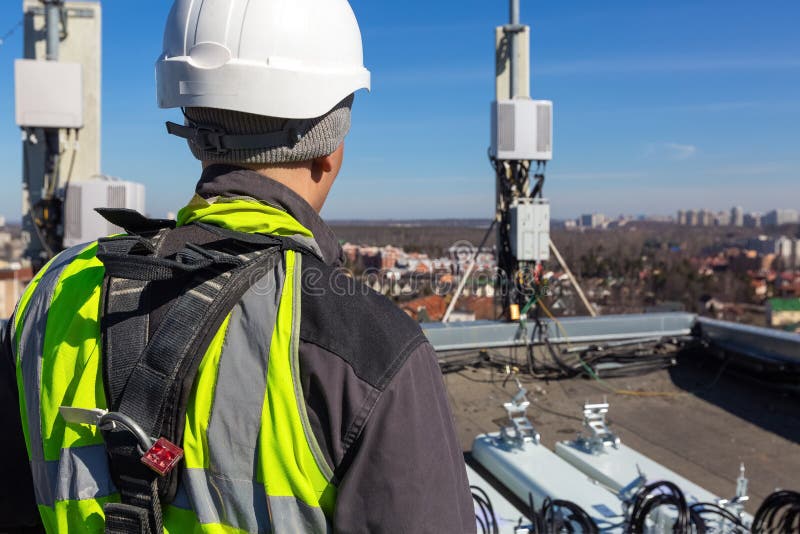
49 94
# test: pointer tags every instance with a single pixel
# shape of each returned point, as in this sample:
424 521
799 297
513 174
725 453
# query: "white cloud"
674 151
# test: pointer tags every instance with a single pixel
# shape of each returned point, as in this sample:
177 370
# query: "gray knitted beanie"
316 137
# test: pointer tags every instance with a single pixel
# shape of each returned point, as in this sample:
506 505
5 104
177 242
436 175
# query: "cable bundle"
486 519
660 494
712 515
558 516
637 359
779 514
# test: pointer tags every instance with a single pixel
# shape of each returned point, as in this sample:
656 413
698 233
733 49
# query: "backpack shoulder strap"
148 381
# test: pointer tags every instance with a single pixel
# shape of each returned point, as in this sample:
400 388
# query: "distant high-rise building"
781 217
737 216
784 249
796 253
681 217
752 220
723 218
705 218
593 220
692 218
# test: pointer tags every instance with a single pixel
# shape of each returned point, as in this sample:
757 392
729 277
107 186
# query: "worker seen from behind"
219 374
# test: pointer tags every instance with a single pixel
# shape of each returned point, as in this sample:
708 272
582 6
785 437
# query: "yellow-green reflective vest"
252 463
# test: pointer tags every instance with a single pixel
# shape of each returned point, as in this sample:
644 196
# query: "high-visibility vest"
252 463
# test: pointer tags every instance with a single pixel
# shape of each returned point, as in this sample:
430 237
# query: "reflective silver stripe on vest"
217 499
322 463
81 473
227 492
31 347
292 515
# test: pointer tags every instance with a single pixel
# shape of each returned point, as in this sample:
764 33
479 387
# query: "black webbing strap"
138 513
134 222
220 142
149 381
125 327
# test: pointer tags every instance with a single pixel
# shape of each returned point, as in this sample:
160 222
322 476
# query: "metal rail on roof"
491 335
771 355
752 341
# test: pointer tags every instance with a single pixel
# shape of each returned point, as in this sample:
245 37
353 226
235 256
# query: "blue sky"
659 105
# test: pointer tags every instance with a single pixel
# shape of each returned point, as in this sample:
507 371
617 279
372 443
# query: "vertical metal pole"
53 28
512 48
40 164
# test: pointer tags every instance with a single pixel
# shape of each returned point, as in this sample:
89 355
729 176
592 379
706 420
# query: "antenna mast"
521 146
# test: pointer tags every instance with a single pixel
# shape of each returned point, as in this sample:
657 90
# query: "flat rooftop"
709 421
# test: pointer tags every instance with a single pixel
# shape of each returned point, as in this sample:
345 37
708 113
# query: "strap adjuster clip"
209 140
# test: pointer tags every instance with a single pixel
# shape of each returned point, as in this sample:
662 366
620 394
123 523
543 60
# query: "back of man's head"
264 82
311 138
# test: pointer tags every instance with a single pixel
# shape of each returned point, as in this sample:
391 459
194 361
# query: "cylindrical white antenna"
512 48
53 28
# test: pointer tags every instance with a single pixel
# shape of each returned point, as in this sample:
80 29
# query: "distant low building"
426 309
12 282
370 258
762 245
350 252
783 312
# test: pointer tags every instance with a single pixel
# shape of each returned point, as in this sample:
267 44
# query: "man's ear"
324 163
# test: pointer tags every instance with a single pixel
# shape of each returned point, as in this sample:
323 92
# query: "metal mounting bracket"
597 435
736 505
519 429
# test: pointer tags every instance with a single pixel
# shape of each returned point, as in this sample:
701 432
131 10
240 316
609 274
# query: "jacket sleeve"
18 512
406 472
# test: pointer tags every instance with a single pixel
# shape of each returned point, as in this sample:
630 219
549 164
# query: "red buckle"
163 456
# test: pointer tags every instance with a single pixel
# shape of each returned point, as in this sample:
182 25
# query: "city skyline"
656 107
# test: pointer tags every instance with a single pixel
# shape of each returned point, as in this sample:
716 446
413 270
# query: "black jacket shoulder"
18 511
347 318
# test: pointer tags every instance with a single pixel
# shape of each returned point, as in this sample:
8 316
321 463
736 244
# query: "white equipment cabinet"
530 229
83 223
522 130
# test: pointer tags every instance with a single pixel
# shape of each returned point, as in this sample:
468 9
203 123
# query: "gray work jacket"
373 390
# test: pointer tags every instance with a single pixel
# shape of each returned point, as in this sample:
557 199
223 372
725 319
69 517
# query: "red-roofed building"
12 284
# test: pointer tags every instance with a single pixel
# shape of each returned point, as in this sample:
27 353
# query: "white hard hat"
295 59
